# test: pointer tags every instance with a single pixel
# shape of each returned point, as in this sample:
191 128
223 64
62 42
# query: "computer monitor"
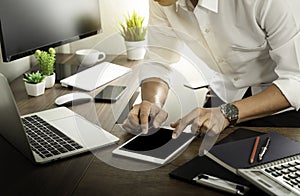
26 26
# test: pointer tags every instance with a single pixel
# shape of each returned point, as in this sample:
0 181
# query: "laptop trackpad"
84 132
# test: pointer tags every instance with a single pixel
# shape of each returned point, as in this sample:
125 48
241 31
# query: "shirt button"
207 30
236 78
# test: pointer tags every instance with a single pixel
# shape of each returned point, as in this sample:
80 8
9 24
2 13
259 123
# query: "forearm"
267 102
155 91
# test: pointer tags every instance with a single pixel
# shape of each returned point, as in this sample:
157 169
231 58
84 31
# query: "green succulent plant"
46 61
133 29
34 77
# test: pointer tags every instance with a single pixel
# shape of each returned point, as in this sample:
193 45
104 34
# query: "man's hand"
142 115
203 120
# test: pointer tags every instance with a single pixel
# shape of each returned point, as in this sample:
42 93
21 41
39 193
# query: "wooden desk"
87 174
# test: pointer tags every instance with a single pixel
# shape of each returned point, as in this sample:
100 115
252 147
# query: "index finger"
184 122
144 116
131 123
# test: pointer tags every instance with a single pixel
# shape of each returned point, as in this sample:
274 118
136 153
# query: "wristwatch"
230 112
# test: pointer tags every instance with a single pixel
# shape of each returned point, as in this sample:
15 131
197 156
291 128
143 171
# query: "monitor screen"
26 26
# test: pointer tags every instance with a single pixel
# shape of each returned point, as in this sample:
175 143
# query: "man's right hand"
142 115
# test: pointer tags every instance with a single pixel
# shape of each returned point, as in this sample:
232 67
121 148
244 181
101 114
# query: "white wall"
108 40
112 12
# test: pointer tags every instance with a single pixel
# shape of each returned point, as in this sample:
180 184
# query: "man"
254 46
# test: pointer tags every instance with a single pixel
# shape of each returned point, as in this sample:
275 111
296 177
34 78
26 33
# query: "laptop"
50 134
95 76
280 177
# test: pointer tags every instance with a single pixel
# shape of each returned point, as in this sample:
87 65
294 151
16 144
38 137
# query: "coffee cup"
88 57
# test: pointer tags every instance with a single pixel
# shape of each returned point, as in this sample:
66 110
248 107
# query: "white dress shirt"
248 43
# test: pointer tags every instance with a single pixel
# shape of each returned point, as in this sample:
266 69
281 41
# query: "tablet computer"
157 146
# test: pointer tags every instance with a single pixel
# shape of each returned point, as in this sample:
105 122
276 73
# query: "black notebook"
236 155
204 165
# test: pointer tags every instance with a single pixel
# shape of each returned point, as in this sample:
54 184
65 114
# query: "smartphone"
110 93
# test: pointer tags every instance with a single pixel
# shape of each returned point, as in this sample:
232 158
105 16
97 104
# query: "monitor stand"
65 66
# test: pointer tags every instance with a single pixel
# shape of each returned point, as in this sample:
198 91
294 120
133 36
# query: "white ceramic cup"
88 57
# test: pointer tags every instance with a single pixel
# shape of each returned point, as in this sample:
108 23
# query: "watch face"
230 111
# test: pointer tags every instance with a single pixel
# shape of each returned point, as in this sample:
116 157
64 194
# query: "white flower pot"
50 81
135 50
35 89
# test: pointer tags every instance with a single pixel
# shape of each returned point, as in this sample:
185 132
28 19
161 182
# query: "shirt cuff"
290 94
287 58
154 70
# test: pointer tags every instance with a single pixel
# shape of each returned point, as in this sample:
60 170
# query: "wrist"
154 102
154 91
226 122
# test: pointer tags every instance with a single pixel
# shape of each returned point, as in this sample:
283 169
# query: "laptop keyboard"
287 173
46 140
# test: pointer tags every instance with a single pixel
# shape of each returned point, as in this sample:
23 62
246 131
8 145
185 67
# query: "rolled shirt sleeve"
162 46
281 21
154 70
287 58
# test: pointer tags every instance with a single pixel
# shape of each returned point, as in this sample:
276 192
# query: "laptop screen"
11 125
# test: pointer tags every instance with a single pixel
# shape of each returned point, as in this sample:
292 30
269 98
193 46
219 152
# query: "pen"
264 148
254 149
221 184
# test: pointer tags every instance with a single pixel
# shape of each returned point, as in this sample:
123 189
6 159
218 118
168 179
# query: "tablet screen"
158 144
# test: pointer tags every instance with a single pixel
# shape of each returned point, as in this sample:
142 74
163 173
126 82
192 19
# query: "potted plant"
134 34
34 83
46 61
